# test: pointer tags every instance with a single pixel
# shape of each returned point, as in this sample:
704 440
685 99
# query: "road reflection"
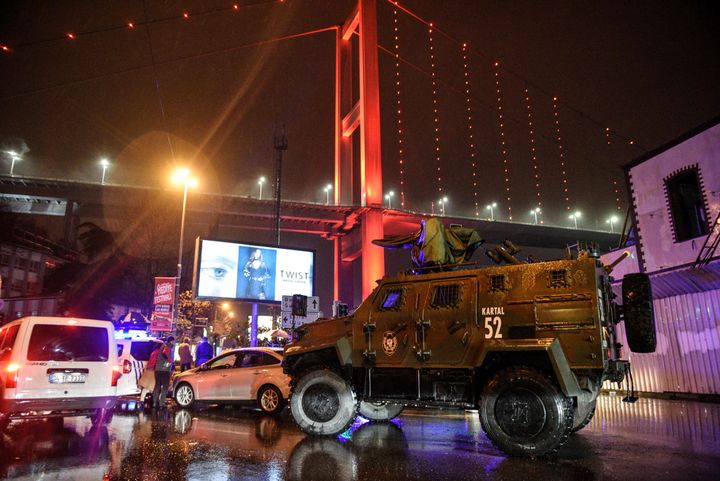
218 444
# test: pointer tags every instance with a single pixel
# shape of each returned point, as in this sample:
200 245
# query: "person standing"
163 367
185 355
203 352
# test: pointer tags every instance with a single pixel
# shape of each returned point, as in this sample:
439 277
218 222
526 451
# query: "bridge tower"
361 117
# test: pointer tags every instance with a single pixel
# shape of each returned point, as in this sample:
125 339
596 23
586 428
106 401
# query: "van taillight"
127 366
13 371
115 375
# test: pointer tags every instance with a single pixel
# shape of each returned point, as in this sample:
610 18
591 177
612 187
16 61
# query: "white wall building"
675 193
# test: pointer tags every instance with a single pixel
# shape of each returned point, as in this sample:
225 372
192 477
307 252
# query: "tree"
190 309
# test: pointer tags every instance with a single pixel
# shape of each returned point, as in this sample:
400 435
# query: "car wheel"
524 412
270 399
184 395
4 421
379 411
101 416
323 403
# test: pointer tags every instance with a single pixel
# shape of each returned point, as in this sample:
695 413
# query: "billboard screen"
231 270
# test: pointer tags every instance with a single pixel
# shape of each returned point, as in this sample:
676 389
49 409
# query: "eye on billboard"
251 272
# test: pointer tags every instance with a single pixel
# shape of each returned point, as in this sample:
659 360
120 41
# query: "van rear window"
51 342
141 350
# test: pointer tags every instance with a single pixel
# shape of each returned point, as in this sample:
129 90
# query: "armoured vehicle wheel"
270 399
639 316
184 395
323 403
583 415
379 411
525 413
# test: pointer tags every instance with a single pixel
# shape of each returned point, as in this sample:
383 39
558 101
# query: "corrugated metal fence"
687 358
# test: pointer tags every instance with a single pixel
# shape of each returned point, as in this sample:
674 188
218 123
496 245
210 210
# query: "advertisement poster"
229 270
163 302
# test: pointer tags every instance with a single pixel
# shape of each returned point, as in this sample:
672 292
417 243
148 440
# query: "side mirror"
204 367
638 312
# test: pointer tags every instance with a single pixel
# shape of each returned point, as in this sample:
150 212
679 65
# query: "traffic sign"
287 319
313 304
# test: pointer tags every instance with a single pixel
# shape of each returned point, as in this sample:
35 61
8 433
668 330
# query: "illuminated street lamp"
612 221
492 212
575 217
327 190
261 181
535 212
14 157
442 203
388 197
184 177
104 163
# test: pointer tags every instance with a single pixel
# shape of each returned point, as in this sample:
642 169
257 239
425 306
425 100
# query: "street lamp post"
441 203
492 212
327 190
575 217
535 213
388 197
14 157
181 176
104 164
261 181
612 221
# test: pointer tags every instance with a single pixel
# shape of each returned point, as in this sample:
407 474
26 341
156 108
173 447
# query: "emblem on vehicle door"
390 343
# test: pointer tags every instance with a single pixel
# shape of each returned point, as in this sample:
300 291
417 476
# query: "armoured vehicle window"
392 299
446 296
497 283
558 278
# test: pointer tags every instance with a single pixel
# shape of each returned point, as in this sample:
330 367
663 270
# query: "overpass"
111 204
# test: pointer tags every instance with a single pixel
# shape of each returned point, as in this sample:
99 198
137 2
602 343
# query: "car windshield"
51 342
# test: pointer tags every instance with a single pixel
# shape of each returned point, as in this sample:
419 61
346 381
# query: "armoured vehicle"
526 344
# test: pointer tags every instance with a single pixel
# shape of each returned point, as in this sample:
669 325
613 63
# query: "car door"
244 377
215 382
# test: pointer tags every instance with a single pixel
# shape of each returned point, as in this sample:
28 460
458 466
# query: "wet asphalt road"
650 440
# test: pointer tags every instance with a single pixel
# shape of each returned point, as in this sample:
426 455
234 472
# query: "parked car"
134 349
57 367
237 376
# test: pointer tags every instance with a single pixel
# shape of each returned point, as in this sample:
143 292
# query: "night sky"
649 71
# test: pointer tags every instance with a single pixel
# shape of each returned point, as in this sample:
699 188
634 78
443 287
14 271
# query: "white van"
56 367
134 349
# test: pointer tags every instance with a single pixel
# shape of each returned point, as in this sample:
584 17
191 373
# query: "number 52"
492 327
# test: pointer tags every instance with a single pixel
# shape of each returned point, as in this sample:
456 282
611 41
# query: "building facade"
675 193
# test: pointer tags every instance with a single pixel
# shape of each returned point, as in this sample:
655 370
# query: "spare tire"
638 313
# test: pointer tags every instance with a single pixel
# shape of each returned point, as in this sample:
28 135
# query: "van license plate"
67 377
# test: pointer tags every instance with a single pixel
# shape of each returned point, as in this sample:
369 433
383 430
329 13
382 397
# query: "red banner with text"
163 302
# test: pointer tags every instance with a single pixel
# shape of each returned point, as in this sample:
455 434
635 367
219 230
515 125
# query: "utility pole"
281 145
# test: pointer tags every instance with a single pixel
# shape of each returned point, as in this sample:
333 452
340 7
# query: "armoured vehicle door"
394 315
447 321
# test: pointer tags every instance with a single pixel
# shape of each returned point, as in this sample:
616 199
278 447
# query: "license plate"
67 377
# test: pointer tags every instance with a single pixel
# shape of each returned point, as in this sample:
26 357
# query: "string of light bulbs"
503 143
398 110
561 153
471 135
533 150
436 120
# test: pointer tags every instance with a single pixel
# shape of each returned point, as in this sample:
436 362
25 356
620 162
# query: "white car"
236 376
52 367
134 348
